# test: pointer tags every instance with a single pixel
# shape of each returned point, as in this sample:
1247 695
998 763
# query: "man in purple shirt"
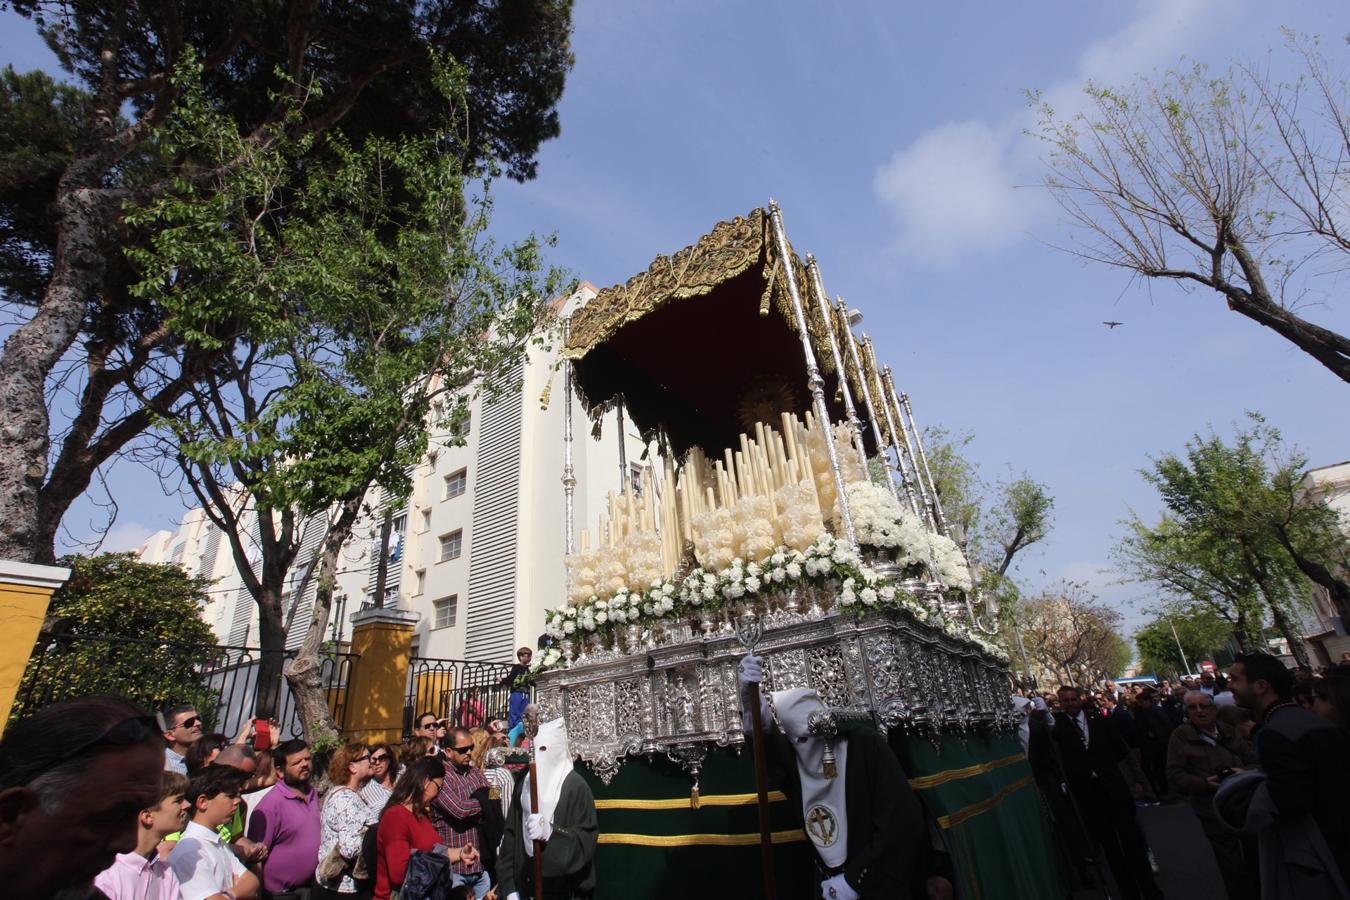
287 821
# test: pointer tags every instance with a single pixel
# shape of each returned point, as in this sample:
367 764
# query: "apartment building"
476 551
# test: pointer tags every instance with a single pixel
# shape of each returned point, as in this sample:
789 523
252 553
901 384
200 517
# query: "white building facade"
477 550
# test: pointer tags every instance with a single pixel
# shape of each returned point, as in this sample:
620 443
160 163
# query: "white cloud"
955 190
125 536
952 192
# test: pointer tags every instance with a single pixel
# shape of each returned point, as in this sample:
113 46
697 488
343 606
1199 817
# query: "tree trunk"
1338 590
29 356
272 641
1286 627
305 671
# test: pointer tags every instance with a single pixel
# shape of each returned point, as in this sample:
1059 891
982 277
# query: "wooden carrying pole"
532 732
762 799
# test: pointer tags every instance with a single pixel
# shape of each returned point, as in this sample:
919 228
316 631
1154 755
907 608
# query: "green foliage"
1234 529
1201 632
123 627
365 285
43 125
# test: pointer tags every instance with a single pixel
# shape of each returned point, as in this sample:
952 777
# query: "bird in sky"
1112 325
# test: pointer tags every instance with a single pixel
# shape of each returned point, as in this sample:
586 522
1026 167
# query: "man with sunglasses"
182 729
73 779
457 811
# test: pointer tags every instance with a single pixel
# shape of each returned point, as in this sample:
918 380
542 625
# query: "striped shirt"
457 813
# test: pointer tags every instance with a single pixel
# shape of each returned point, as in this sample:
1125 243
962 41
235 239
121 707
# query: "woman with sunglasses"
383 776
344 820
406 827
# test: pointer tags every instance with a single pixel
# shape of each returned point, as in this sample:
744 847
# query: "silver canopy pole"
923 458
569 478
854 426
623 449
873 416
813 379
926 489
895 432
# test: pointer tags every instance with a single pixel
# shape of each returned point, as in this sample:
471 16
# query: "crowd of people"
1261 755
152 808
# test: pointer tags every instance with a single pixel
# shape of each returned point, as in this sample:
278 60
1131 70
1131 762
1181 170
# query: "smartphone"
262 735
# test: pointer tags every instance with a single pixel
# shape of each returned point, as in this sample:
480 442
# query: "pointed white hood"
552 762
823 808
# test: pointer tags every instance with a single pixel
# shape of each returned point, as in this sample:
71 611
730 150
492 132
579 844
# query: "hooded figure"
857 808
565 822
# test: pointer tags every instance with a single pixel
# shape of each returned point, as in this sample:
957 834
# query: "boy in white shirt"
143 874
206 867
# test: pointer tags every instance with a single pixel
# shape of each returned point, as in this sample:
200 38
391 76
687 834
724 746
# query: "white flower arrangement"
826 562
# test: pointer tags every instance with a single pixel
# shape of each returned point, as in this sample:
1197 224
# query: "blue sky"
893 139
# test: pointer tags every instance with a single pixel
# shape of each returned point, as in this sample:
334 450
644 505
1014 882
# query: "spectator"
519 697
345 818
405 826
458 810
203 863
143 874
1200 753
1331 697
73 778
417 747
428 727
1207 682
202 752
470 713
383 776
1091 752
1299 810
245 759
1154 730
182 729
287 822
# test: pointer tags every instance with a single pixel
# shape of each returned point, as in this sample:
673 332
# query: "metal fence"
222 681
465 692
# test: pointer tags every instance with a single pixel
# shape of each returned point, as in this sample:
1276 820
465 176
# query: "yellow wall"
379 679
22 609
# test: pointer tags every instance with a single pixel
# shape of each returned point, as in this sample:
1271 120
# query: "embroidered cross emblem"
821 826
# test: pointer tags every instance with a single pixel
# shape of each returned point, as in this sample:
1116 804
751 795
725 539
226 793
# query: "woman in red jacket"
405 825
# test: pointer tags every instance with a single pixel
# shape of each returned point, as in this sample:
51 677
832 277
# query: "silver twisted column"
906 444
816 383
923 458
854 426
872 414
895 432
569 477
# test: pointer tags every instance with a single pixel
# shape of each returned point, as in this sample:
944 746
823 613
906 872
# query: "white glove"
537 828
513 896
749 676
837 888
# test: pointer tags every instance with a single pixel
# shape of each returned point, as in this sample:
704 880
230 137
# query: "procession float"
789 510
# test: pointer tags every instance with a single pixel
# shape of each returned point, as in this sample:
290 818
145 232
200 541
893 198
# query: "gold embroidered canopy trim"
729 250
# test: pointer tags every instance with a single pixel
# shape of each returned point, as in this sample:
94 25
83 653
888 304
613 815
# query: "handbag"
427 876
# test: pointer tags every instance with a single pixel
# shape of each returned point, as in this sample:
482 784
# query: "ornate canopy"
705 341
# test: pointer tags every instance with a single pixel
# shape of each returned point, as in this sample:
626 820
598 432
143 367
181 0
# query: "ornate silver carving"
678 698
